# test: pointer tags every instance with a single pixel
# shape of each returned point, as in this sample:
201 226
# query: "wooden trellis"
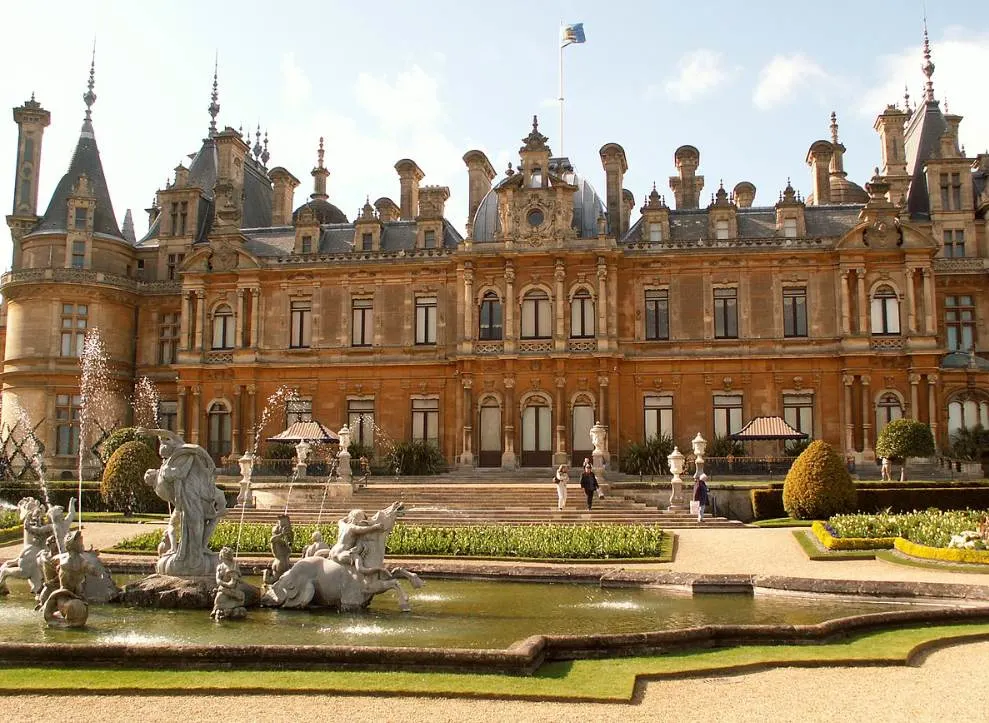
16 461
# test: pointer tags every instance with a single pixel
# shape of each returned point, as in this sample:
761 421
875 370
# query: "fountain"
96 397
145 403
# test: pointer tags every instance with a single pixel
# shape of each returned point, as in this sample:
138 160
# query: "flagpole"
562 46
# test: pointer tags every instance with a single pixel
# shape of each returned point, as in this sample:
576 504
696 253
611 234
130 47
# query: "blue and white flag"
572 34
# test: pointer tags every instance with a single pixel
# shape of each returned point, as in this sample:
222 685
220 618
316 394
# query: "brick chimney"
409 175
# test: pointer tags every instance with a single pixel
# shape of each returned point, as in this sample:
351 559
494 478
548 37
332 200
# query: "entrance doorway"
580 438
489 449
537 436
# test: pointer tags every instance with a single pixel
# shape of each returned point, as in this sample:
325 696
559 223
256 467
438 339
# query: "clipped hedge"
124 488
831 542
514 541
59 493
120 437
818 484
941 554
767 503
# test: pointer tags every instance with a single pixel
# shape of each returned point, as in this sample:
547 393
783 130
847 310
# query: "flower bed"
941 554
825 533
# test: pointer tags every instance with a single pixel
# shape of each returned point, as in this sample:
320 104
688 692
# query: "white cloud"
955 57
698 73
410 102
785 74
296 88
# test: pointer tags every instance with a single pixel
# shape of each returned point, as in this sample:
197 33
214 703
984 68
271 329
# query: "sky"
751 85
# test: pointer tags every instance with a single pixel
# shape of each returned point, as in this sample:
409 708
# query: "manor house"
839 310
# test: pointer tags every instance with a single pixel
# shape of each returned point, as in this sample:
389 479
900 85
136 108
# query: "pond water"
446 614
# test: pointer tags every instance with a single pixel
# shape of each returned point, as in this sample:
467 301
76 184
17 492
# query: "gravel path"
948 685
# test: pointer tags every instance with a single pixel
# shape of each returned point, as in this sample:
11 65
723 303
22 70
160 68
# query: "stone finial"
834 127
264 154
214 105
928 67
89 97
257 142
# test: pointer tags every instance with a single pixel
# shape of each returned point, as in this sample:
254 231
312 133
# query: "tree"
904 438
970 444
818 484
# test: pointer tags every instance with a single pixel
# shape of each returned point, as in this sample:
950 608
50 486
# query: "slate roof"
85 160
339 238
921 143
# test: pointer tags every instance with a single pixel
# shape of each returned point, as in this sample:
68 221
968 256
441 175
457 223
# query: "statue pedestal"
300 470
245 498
508 459
203 565
343 468
676 496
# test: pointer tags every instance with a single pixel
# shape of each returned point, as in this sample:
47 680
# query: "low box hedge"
767 502
831 542
940 554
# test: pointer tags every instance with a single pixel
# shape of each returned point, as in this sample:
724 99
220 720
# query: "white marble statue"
228 603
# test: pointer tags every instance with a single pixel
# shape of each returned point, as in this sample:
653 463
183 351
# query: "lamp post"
699 445
676 467
246 463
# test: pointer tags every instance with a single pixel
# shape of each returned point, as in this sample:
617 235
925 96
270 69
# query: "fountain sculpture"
348 575
230 599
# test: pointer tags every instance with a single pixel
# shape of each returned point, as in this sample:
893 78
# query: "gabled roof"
767 428
311 431
85 160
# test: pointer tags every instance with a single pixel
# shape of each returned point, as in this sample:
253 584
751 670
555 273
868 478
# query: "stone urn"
343 468
245 497
699 445
676 460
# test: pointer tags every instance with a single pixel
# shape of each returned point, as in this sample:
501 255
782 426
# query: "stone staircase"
508 499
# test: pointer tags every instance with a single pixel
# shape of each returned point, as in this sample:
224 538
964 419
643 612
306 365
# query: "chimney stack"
409 175
480 173
281 201
687 185
819 159
615 165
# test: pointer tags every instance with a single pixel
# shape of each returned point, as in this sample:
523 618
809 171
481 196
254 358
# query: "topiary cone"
818 484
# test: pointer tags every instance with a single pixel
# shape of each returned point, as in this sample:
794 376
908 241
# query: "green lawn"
611 680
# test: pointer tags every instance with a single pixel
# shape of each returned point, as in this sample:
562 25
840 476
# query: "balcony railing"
886 343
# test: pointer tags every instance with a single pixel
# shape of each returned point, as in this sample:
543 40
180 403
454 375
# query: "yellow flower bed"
942 554
850 543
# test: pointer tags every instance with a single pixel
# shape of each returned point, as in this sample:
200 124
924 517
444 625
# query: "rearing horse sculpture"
345 577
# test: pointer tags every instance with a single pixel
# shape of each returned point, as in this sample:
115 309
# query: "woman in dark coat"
700 495
588 483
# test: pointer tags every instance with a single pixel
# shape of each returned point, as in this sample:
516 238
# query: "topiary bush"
121 436
818 484
904 438
123 488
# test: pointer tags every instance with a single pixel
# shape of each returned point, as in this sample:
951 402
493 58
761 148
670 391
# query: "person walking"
562 477
700 495
589 483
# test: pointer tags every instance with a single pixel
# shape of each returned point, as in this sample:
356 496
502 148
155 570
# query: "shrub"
818 485
121 436
904 438
123 488
649 457
767 504
796 447
725 447
415 457
279 450
970 444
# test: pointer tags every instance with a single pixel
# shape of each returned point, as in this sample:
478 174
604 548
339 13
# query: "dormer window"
721 230
790 227
81 217
429 239
78 254
307 244
655 233
366 241
536 179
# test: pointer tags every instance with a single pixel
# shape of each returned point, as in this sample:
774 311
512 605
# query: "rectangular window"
366 241
954 243
426 420
727 414
362 330
655 233
168 413
721 229
945 196
790 227
956 191
959 322
658 416
536 316
657 314
429 239
582 315
307 244
183 216
795 312
798 412
175 218
74 318
726 313
490 326
298 410
78 254
174 264
168 338
81 217
67 408
301 319
360 420
426 320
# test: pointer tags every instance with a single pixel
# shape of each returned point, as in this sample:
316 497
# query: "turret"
31 121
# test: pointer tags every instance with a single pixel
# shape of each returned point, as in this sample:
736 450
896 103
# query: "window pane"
544 320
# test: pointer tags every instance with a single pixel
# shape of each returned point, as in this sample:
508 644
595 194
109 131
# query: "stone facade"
839 311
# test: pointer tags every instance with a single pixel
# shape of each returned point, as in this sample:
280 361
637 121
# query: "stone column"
560 332
315 314
251 411
914 407
508 420
929 326
255 317
180 417
510 334
185 319
196 412
847 381
868 413
845 305
467 458
603 417
602 321
560 457
239 324
911 304
201 321
469 308
863 303
235 424
932 413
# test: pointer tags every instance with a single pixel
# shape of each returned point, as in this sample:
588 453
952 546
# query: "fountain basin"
463 624
275 495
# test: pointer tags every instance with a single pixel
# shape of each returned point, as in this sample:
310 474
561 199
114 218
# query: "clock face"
535 217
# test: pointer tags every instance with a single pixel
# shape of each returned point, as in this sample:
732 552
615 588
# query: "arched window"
537 319
489 327
219 430
887 410
885 311
582 315
223 328
967 414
